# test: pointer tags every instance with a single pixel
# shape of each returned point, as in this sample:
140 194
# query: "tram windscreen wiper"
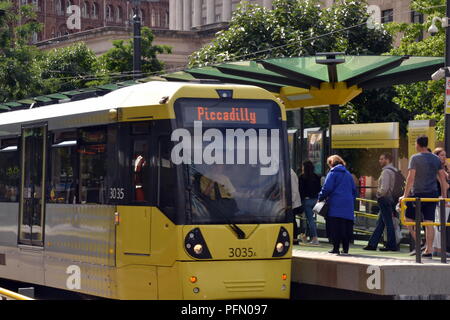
214 207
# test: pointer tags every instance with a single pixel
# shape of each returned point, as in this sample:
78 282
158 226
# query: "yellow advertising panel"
365 135
417 128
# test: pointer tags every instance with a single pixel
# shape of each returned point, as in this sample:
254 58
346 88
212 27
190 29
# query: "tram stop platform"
393 275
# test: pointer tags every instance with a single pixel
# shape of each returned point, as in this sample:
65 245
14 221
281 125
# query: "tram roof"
64 113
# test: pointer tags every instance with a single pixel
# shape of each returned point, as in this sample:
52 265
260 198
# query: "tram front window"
236 194
233 153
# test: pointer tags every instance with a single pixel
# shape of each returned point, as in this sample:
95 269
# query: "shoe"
427 255
389 249
370 248
303 238
315 243
413 253
332 251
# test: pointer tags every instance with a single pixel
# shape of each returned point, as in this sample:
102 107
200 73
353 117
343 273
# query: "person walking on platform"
340 190
385 200
296 203
440 152
309 191
424 167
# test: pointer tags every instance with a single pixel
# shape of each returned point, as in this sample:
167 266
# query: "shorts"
428 208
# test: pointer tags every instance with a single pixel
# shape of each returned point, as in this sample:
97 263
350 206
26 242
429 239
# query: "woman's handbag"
321 208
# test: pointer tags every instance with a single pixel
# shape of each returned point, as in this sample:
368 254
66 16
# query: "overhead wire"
115 75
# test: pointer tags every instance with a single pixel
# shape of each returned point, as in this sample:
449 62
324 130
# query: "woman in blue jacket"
340 190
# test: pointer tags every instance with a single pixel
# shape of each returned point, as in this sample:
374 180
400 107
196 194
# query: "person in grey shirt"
424 167
386 203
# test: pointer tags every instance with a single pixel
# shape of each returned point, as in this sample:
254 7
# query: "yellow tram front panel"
152 261
240 279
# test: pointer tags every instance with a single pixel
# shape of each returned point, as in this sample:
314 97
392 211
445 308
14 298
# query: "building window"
109 13
59 6
94 10
119 14
85 10
153 19
417 17
387 16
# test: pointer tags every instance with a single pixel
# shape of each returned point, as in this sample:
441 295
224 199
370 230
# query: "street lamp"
137 63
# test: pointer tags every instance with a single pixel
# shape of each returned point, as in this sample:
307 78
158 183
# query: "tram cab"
160 190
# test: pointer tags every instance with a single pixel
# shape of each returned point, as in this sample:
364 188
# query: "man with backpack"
390 188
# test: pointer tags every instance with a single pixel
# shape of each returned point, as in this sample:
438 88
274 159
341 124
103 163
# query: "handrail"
412 223
367 200
418 223
11 295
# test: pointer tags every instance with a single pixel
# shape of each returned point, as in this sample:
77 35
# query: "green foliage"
69 68
423 100
294 28
120 58
19 76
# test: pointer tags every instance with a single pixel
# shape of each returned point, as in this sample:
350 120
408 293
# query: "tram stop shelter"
326 79
332 80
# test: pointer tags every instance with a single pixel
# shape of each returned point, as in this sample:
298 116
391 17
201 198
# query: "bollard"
443 231
418 220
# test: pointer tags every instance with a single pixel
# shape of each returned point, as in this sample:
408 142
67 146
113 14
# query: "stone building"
94 14
186 25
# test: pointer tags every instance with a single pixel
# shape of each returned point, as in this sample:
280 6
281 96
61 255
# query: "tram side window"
167 177
141 162
93 161
63 179
9 171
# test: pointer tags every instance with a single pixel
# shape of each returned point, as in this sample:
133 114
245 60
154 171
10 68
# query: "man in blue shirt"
423 170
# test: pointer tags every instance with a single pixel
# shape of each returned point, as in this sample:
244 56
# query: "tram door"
32 197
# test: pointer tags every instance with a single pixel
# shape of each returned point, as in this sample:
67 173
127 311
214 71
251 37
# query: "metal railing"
418 223
11 295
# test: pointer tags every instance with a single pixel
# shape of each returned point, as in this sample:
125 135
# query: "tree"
70 68
424 100
294 28
119 59
19 75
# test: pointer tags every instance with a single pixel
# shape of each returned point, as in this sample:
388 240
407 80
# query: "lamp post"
137 63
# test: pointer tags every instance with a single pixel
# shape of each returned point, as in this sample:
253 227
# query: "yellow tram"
160 190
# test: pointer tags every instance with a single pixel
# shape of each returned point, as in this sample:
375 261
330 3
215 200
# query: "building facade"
56 16
185 25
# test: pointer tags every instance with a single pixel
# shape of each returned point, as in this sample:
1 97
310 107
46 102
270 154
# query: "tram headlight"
195 245
198 249
280 247
282 244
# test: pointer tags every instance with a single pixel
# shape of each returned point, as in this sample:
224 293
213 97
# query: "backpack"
399 184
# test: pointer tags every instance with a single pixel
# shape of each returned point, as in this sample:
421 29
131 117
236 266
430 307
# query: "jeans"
309 205
384 220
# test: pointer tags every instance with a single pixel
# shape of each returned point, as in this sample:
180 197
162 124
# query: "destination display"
226 113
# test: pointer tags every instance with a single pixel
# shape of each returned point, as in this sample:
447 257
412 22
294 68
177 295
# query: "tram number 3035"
241 253
116 193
